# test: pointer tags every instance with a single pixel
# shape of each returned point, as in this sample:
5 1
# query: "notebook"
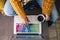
34 27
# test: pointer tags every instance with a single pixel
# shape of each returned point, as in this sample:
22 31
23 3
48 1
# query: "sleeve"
17 6
47 6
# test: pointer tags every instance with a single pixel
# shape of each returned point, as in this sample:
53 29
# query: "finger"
26 23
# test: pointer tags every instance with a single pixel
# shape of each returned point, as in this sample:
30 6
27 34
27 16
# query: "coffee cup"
41 18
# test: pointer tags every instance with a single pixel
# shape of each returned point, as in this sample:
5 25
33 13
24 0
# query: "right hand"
25 21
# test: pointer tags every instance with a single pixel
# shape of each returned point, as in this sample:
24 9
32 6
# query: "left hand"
47 17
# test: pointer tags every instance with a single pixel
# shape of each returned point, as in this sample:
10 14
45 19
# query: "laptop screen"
31 28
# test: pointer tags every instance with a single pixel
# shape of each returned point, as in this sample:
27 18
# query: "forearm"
47 6
16 4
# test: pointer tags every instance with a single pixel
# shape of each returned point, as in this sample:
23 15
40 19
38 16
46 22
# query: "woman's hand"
47 17
25 21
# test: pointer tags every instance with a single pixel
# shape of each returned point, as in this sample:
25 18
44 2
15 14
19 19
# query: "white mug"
41 18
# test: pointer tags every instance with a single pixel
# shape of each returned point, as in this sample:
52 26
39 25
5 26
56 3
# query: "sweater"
46 7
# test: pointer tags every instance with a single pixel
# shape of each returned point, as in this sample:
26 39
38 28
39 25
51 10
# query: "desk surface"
6 29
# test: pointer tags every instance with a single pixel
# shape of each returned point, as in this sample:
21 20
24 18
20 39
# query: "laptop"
33 30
